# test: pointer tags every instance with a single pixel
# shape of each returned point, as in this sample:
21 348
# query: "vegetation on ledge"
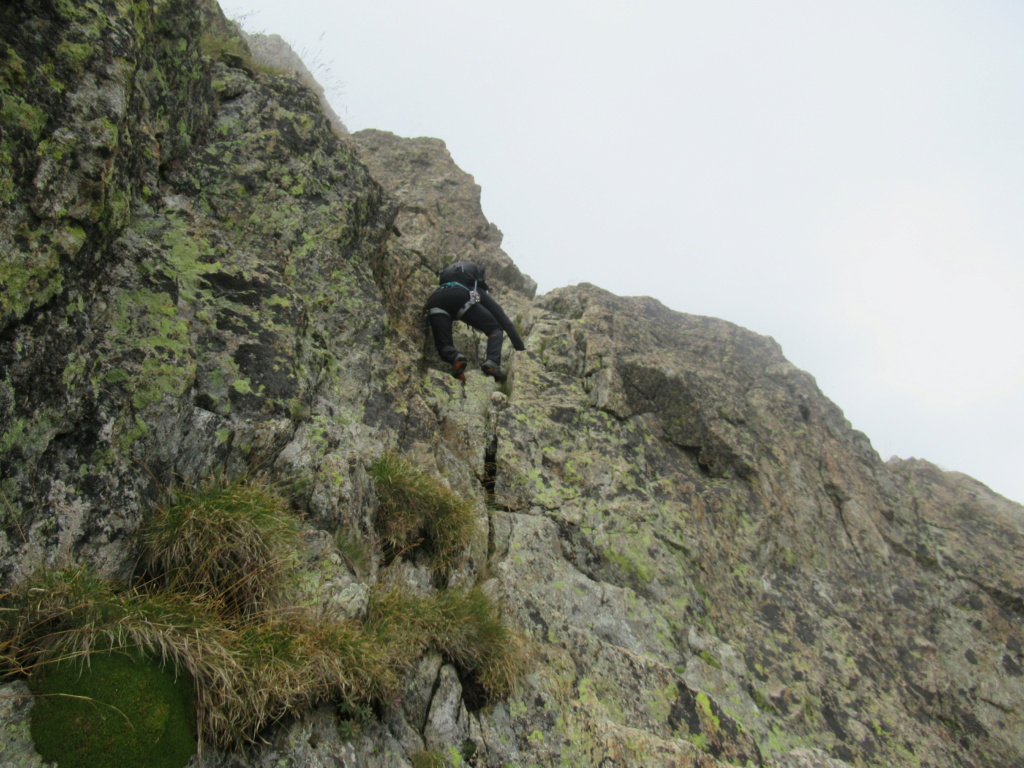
213 605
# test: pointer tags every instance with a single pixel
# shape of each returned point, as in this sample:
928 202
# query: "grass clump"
418 508
213 608
232 49
224 47
429 758
230 541
356 554
252 672
70 616
246 674
463 624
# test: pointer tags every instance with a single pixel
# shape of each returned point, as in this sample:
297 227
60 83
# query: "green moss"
149 321
709 718
660 702
8 189
17 112
188 259
14 436
75 54
115 375
131 429
70 239
710 660
634 572
31 276
761 700
29 437
117 211
116 710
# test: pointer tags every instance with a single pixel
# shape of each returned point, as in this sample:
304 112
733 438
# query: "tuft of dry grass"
463 624
429 758
218 559
246 674
71 614
418 508
231 541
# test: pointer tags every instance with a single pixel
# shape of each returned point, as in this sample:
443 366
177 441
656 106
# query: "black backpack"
464 272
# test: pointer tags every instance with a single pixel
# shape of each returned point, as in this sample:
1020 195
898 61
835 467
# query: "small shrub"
416 507
230 541
113 710
352 719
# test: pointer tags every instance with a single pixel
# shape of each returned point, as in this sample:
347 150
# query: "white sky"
846 176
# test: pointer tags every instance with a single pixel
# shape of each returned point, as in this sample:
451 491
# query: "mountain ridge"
204 277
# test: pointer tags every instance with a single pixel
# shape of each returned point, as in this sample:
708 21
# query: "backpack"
465 273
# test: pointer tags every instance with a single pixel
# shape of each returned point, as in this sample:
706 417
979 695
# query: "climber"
462 295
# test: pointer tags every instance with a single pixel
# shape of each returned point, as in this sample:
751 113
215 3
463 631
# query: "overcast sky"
845 176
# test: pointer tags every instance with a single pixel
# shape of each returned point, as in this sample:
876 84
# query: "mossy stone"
118 710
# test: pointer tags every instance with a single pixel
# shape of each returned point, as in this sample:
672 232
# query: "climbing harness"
474 298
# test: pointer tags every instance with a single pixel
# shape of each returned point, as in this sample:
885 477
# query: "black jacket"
495 309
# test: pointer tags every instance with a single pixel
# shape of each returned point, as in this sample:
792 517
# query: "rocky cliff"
200 277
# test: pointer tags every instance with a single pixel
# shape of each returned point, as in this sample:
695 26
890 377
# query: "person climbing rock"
463 295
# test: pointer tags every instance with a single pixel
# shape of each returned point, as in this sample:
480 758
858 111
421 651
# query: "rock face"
200 276
272 53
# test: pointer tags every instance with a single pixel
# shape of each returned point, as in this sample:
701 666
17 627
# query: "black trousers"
451 300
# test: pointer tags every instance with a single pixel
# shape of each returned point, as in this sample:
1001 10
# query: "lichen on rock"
201 277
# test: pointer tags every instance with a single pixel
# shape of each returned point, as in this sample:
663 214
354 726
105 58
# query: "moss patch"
117 710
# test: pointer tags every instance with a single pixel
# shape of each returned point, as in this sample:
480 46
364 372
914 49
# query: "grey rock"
201 277
448 721
314 741
17 750
498 737
417 702
272 52
808 758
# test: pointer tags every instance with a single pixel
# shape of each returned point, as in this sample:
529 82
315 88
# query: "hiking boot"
459 367
492 369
